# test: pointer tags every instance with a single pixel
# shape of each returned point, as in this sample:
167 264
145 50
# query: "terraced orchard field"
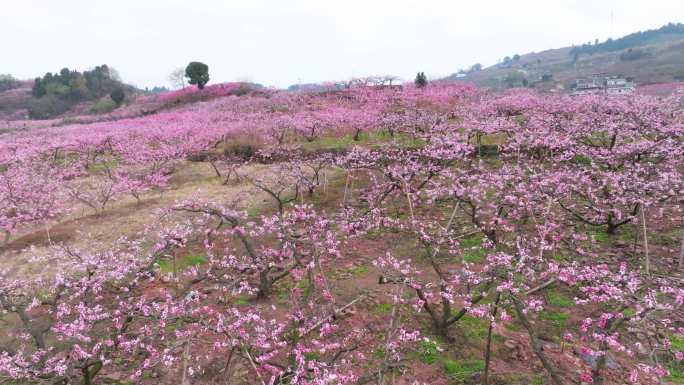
396 235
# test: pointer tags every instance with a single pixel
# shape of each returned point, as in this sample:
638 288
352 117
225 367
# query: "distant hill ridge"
649 57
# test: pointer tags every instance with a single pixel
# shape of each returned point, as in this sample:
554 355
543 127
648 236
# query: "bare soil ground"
86 231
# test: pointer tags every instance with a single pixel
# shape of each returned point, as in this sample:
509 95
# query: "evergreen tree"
421 80
117 95
197 73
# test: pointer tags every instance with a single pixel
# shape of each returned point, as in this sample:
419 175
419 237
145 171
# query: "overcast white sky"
280 42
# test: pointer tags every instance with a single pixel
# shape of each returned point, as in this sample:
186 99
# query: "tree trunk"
264 285
89 374
488 351
534 342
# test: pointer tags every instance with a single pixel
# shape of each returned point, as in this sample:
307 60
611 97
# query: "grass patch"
498 338
407 141
557 299
513 326
183 263
520 379
677 342
476 255
255 211
676 373
355 271
671 238
373 139
382 308
379 353
374 234
463 370
429 352
582 160
473 252
283 296
472 241
358 271
600 236
102 165
171 327
473 327
241 301
556 318
598 233
331 143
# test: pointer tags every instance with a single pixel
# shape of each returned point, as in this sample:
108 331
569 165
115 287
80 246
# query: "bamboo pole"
643 228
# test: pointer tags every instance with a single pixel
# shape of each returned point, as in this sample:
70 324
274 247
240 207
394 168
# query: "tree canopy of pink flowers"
526 179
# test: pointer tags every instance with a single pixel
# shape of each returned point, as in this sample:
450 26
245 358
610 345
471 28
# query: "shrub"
117 95
47 107
103 106
242 147
514 79
476 67
7 82
243 89
243 151
679 75
633 54
193 94
57 89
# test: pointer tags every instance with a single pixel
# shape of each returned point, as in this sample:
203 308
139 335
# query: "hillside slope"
653 57
14 103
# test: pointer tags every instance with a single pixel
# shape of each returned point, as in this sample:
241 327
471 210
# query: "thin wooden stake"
186 354
47 232
408 198
643 228
681 254
453 215
256 370
346 187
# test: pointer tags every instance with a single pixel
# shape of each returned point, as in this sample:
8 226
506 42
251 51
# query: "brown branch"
534 342
541 287
334 314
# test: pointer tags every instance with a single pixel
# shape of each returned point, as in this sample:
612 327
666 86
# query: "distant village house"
604 84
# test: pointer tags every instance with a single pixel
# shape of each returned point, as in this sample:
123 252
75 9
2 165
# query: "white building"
604 84
619 86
